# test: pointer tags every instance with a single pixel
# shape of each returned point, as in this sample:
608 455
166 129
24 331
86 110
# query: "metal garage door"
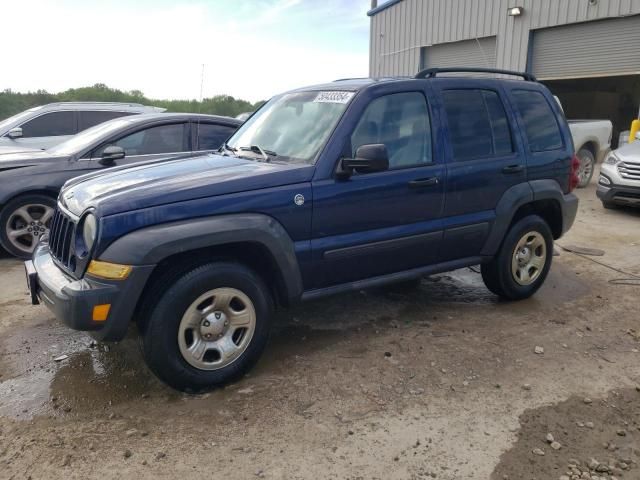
479 52
599 48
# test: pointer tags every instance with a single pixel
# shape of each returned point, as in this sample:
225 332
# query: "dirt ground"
439 382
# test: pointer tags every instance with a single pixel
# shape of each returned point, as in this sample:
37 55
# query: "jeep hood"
163 182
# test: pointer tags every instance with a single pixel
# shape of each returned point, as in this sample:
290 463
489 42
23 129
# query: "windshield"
7 122
292 127
88 137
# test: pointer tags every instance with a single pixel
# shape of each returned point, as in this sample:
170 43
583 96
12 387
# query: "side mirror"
111 154
369 158
15 133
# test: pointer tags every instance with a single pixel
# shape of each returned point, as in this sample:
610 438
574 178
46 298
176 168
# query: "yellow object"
635 128
109 271
101 312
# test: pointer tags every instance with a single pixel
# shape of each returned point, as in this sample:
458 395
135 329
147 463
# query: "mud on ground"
439 382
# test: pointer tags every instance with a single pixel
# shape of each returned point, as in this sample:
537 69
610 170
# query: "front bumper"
72 301
618 194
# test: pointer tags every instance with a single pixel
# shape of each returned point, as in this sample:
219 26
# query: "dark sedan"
30 181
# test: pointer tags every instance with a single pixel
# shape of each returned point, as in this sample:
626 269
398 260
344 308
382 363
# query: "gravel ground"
439 382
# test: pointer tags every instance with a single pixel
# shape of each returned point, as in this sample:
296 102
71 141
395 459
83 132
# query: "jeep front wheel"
523 261
209 327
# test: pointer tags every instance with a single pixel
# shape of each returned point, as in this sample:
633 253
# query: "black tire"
588 162
160 320
497 274
8 222
610 205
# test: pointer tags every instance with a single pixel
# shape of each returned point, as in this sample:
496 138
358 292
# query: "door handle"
513 169
424 182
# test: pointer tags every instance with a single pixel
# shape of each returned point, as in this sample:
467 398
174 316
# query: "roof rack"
432 72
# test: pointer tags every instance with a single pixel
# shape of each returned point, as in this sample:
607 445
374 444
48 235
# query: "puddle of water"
90 378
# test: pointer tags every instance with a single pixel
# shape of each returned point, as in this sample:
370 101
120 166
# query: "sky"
251 49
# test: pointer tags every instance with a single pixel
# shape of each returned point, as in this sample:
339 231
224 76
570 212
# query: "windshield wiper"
257 149
226 147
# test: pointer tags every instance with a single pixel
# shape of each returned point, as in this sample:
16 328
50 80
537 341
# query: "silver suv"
619 182
42 127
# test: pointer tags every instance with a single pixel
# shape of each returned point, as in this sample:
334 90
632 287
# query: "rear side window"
50 125
540 125
401 122
91 119
211 136
478 125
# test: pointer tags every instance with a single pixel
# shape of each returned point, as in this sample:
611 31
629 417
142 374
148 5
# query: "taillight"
574 180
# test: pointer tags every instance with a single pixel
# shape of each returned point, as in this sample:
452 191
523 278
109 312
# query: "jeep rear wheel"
523 261
209 327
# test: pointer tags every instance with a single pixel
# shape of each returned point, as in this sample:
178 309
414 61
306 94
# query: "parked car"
47 125
30 181
619 182
592 141
325 189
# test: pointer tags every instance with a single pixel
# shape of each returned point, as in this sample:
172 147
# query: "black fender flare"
519 195
151 245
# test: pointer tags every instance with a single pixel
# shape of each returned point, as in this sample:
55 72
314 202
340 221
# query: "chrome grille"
60 237
629 170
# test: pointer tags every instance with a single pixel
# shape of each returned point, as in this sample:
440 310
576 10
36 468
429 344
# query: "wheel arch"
540 197
256 240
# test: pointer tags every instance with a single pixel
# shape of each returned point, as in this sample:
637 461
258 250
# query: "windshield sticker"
333 97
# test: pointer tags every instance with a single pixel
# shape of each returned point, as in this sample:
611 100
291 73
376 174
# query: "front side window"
292 127
401 122
210 136
478 125
155 140
540 125
52 124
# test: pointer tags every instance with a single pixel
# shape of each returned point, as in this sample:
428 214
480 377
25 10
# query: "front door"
372 224
158 141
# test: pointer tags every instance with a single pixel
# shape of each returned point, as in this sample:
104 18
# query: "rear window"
211 136
88 119
540 124
478 125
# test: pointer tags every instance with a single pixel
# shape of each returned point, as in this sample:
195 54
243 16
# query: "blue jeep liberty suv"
325 189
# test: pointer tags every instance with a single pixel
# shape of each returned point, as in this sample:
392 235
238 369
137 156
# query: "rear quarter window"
540 124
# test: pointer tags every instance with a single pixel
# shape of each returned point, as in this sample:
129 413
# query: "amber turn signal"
109 271
101 312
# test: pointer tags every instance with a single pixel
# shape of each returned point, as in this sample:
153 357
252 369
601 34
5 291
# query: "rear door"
484 159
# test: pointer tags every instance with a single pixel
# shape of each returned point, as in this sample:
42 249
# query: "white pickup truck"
592 140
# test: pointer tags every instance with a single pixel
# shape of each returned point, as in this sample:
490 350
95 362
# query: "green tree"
14 102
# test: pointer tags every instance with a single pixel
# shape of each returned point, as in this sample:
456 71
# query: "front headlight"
89 230
611 159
